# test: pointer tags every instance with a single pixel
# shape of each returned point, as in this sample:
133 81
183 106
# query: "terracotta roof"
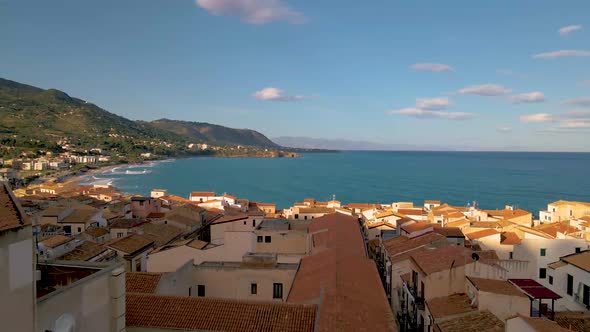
507 214
585 218
84 252
182 219
95 232
580 260
360 205
193 313
450 231
449 305
481 234
56 241
127 223
554 228
479 321
440 259
131 243
496 286
80 215
575 321
156 215
316 210
203 193
142 282
457 223
542 324
556 265
401 247
160 234
230 218
410 212
416 227
431 202
10 214
342 278
385 214
534 232
381 223
509 238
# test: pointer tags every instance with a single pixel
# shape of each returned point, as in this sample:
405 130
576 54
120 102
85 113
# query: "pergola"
536 291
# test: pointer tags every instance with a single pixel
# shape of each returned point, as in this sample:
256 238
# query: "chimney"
117 294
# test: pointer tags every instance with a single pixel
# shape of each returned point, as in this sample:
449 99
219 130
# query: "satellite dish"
475 256
65 323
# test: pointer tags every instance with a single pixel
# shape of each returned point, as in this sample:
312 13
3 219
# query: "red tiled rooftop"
440 259
509 238
202 193
496 286
10 214
141 282
410 212
209 314
481 234
454 304
342 279
416 227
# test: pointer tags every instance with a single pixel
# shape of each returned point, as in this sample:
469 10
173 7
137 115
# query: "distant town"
94 258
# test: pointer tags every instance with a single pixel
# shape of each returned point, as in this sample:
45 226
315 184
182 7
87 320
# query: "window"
259 239
571 213
586 295
543 252
253 222
201 290
277 291
305 217
542 273
570 284
296 216
244 222
79 229
189 291
422 289
253 289
267 239
511 255
550 280
120 234
578 250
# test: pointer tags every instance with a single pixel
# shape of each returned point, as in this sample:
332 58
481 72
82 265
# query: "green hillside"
33 118
207 132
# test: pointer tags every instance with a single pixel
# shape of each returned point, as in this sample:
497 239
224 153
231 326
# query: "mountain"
343 144
206 132
33 118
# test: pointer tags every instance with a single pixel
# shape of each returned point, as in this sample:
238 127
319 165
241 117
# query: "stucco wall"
16 280
235 282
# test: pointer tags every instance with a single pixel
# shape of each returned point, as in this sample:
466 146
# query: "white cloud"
435 67
275 94
485 90
561 54
505 129
433 103
582 101
531 97
427 114
539 117
568 29
253 11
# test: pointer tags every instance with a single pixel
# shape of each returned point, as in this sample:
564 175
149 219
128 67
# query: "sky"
463 74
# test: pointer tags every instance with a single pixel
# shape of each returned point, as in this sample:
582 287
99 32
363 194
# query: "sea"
491 180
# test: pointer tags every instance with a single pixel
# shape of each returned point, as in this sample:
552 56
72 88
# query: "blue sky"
463 74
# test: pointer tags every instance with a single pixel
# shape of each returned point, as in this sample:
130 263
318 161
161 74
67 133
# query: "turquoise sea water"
492 179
